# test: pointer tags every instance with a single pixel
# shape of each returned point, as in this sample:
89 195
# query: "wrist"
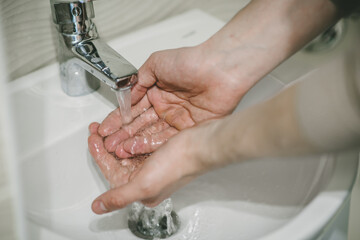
264 34
204 147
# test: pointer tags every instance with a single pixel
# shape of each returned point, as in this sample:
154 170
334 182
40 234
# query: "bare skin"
267 129
187 96
189 86
137 180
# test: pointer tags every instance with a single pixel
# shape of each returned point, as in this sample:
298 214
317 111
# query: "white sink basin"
270 198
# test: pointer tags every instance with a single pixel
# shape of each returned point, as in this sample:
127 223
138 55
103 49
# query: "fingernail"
100 206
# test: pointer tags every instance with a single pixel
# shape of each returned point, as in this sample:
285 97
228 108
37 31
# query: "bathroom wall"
29 34
7 223
7 231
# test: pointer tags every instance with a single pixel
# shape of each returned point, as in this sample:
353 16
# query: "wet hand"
143 135
117 172
176 89
155 179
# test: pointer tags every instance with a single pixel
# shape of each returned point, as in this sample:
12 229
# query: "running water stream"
145 222
123 96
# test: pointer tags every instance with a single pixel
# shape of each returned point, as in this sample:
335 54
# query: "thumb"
140 187
145 184
146 79
116 198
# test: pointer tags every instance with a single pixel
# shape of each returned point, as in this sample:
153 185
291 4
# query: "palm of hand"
117 171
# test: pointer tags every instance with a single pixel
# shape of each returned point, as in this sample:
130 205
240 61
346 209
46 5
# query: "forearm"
265 33
328 104
321 113
267 129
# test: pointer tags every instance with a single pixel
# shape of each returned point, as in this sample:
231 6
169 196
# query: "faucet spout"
83 57
104 63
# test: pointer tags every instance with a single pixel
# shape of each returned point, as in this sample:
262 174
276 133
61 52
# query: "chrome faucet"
84 58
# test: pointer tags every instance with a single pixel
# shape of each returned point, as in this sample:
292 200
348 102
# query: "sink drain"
328 39
161 231
150 223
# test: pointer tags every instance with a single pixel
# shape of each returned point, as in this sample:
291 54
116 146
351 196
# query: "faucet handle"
68 12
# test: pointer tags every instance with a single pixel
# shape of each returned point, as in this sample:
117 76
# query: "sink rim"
326 203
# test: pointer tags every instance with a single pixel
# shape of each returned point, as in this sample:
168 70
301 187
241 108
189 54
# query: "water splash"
151 223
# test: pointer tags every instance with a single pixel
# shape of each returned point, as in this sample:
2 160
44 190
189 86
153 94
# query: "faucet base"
76 81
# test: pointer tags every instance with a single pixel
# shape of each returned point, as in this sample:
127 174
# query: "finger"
146 118
145 143
93 127
121 153
104 160
146 79
112 122
116 198
137 93
112 141
158 126
142 186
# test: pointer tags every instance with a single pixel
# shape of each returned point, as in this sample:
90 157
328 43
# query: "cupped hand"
176 89
150 181
116 171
